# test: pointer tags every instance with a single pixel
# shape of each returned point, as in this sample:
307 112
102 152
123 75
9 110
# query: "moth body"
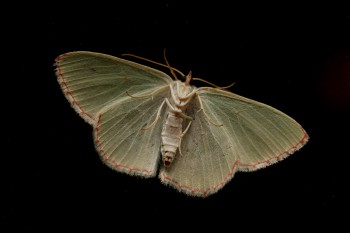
172 132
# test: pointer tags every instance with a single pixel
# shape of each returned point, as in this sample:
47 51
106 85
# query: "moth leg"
178 111
183 115
205 114
171 106
157 117
183 133
146 95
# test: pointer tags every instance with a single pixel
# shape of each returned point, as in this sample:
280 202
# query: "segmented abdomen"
171 135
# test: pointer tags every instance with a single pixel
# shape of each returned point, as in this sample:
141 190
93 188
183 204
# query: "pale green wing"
92 81
252 135
123 137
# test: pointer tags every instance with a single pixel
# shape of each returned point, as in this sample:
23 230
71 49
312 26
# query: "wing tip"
69 95
277 158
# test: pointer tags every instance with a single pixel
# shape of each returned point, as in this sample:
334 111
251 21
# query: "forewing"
92 81
123 138
252 135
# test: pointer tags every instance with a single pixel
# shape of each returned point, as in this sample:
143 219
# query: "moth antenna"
166 61
212 84
154 62
157 117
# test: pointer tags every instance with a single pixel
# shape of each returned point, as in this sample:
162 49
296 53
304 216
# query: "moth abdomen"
171 137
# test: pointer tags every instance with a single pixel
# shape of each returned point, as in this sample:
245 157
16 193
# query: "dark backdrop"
294 58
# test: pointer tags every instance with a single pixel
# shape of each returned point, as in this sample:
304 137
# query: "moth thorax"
183 90
168 158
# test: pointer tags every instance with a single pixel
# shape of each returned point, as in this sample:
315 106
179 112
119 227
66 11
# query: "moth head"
184 89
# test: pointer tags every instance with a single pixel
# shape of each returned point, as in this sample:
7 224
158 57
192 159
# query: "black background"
293 57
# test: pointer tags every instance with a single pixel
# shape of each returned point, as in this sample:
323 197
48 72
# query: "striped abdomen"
171 136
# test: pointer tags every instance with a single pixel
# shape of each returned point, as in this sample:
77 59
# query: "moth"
198 138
